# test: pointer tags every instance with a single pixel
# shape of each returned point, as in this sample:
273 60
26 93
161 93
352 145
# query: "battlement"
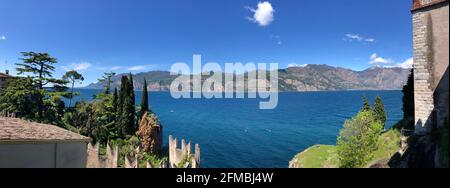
111 158
176 155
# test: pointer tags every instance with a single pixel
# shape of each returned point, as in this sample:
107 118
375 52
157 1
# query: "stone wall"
431 60
111 158
95 160
176 154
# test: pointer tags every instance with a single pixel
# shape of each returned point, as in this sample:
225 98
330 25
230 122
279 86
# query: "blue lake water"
234 133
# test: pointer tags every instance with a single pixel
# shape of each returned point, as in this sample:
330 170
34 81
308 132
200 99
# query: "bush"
358 140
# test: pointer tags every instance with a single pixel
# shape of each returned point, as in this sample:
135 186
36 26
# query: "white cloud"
356 37
297 65
376 60
407 64
370 40
2 37
77 66
136 68
263 15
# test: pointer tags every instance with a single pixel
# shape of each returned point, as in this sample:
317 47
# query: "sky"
96 36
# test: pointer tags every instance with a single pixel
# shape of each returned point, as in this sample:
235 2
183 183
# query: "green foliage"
378 110
154 160
40 65
107 80
184 160
408 101
358 139
126 112
95 119
144 100
366 104
72 77
127 147
388 145
318 156
39 68
19 97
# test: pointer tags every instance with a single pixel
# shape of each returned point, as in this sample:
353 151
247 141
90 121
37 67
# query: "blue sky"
95 36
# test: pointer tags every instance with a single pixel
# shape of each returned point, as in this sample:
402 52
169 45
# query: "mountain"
307 78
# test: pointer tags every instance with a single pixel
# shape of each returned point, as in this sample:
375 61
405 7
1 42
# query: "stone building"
431 60
26 144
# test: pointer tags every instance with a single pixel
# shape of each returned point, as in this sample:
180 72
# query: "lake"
234 133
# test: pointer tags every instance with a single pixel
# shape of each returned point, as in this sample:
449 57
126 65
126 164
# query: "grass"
325 156
318 156
388 145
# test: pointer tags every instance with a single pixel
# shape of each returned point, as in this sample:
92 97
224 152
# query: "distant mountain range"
307 78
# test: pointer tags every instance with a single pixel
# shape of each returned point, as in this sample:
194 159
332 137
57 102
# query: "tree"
38 64
379 113
39 67
150 133
19 97
72 77
408 100
358 140
366 105
144 100
131 87
107 80
115 101
127 112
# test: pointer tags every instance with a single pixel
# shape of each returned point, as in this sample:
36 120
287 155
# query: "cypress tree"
127 115
144 100
408 100
121 106
115 102
132 107
366 105
379 113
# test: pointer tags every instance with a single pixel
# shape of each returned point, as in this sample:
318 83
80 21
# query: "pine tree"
107 80
72 77
39 66
144 100
366 105
379 113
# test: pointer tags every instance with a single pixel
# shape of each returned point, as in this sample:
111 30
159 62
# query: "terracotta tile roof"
3 75
420 4
17 130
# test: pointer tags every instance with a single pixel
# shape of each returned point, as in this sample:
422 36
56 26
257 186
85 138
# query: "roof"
421 4
18 130
3 75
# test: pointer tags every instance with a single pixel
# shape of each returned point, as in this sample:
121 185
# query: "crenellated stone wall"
176 154
95 160
111 158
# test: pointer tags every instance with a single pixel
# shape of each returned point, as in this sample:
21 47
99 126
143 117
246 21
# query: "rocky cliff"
308 78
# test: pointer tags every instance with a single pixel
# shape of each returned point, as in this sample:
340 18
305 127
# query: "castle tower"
431 60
